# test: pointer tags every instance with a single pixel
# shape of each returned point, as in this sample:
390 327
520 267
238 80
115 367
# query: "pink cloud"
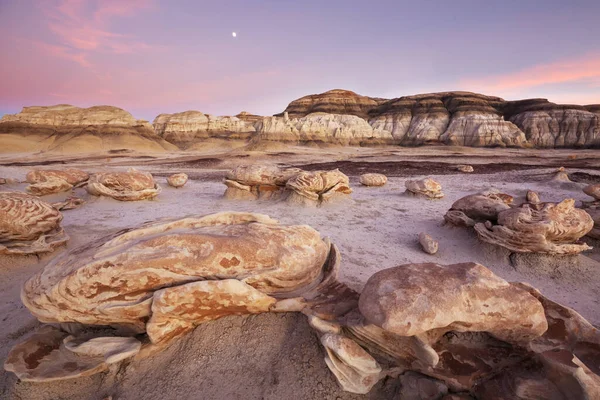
85 26
63 52
586 68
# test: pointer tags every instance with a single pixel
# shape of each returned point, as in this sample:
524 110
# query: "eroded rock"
69 203
460 297
481 207
257 182
428 244
29 225
317 187
465 168
540 228
43 182
373 179
164 279
177 180
593 191
124 186
561 175
425 187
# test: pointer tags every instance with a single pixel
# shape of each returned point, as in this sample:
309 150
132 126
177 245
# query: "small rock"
373 179
429 244
464 168
177 180
533 197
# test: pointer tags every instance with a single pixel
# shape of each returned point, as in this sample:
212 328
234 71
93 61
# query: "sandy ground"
277 356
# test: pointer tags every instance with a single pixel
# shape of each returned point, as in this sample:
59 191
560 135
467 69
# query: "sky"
153 56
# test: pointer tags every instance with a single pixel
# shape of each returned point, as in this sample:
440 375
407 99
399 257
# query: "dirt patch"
583 177
411 168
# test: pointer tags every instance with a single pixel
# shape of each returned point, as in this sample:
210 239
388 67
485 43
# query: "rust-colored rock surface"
480 207
257 182
29 225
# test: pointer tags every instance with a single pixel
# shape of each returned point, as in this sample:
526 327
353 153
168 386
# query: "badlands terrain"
513 148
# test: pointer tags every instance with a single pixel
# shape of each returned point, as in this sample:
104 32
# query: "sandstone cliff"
186 128
65 128
335 101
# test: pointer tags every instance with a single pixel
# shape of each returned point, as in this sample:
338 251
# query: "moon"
233 34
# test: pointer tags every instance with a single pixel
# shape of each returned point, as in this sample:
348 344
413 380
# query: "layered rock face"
65 128
186 128
321 127
459 118
335 101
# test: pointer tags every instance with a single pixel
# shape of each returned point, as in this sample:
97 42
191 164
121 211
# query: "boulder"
177 180
123 186
315 188
29 225
8 181
532 197
257 182
480 207
373 179
413 299
561 175
539 228
43 182
428 244
425 187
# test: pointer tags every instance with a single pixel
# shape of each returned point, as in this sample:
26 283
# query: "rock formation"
373 179
335 101
425 187
321 127
539 228
8 181
124 186
177 180
593 191
456 329
65 128
257 182
164 279
43 182
481 207
315 188
29 225
428 244
189 127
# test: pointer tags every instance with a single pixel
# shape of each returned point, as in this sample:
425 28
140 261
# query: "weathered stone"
177 180
373 179
414 299
43 182
314 188
356 371
469 210
561 176
70 203
532 197
163 279
262 182
425 187
124 186
429 244
541 228
28 225
8 181
465 168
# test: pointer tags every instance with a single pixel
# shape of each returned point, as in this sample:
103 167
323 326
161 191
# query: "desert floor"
277 356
